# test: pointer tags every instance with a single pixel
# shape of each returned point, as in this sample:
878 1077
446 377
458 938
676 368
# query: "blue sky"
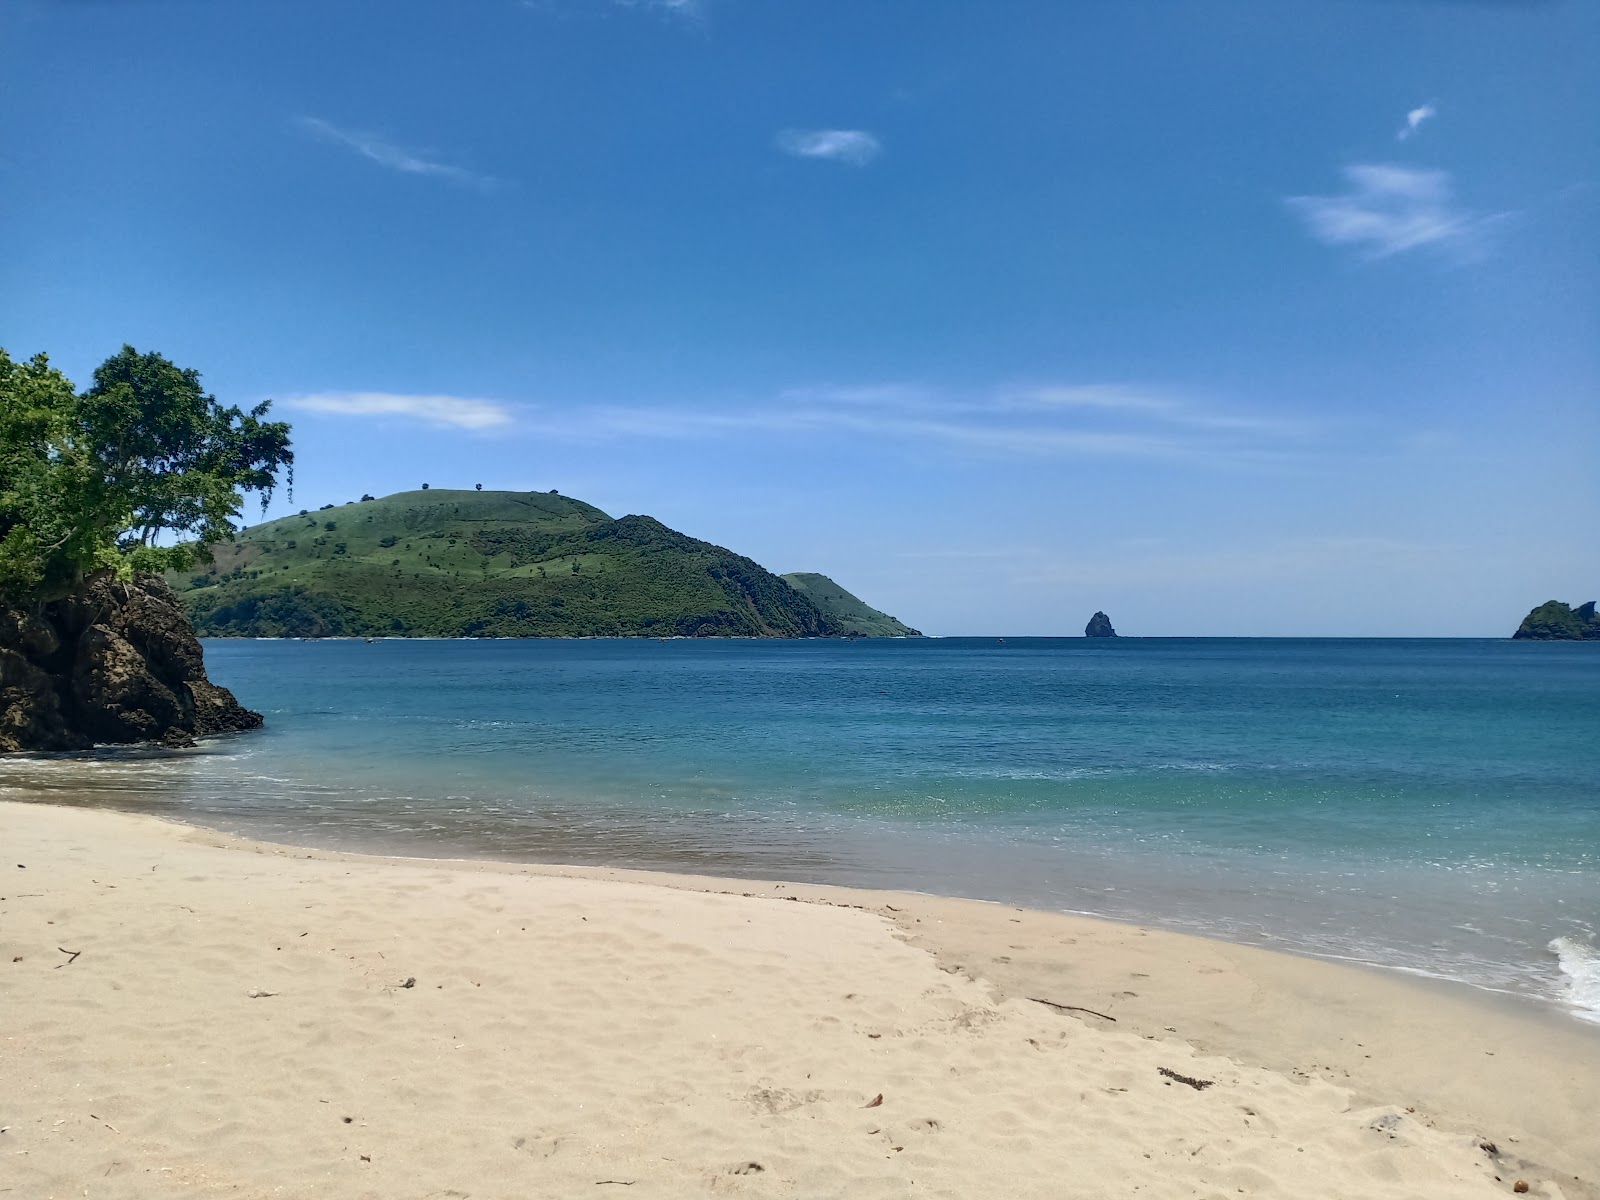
1278 317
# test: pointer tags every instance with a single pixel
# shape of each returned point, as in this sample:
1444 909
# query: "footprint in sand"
539 1145
781 1100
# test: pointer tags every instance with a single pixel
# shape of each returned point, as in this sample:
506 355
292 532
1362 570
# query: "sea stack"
1099 626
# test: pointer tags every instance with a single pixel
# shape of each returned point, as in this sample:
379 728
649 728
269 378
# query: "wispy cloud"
1389 209
688 10
456 412
854 146
692 11
1150 404
1414 120
396 158
1044 421
1041 422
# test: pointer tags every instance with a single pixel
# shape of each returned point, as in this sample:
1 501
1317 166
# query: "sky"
1277 317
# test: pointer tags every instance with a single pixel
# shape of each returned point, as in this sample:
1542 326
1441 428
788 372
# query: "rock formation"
1099 626
1554 621
110 662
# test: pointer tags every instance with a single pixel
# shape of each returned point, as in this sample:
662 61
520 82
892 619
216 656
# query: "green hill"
494 564
1554 621
852 614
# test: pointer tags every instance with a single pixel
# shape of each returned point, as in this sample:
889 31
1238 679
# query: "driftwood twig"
1071 1008
1198 1085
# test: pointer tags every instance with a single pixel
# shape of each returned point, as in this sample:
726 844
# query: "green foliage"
1554 621
45 481
852 613
503 564
96 479
286 612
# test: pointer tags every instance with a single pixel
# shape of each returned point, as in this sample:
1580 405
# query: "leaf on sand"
874 1102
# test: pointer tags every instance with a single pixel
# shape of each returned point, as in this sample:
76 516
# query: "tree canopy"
101 478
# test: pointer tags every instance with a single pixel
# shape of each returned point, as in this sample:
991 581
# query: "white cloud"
1391 209
691 10
1102 421
1111 397
1150 405
456 412
1051 421
854 146
1414 120
387 154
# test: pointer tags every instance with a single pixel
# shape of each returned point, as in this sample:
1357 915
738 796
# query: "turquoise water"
1427 805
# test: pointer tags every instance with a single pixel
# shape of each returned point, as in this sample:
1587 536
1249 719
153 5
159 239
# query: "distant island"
1099 626
1554 621
449 563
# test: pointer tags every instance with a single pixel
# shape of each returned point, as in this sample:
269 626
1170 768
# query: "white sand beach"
185 1014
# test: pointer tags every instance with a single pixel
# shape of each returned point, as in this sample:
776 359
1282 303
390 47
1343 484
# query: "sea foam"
1580 963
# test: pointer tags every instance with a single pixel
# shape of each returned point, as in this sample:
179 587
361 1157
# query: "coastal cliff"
110 662
1554 621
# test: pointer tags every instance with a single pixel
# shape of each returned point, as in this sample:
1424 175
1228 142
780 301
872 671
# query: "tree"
480 487
102 478
424 487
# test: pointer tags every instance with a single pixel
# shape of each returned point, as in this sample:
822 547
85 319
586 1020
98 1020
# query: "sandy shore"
184 1014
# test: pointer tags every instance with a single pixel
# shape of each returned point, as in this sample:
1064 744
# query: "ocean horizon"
1425 805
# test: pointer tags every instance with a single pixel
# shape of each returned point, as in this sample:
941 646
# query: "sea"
1429 806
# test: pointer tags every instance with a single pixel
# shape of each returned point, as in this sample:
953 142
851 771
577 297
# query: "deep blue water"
1430 805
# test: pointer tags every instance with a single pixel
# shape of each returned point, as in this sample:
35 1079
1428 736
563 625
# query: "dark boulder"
113 661
1099 626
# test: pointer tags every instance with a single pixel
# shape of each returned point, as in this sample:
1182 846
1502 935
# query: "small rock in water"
1099 626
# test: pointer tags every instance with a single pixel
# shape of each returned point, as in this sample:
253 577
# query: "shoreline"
1506 1070
1547 1001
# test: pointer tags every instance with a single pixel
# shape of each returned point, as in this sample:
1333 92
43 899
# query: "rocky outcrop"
1099 626
113 661
1554 621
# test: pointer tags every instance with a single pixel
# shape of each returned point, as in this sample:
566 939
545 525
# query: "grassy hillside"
495 564
851 613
